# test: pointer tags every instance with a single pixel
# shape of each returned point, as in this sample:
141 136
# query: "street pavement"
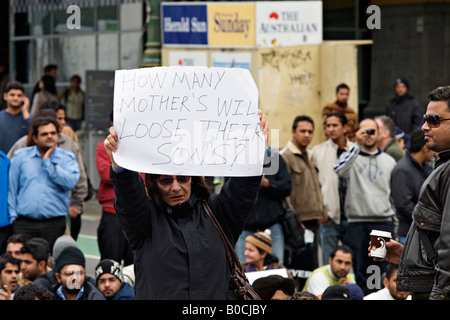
87 238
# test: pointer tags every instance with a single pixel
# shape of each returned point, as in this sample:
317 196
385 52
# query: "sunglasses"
433 120
167 181
370 132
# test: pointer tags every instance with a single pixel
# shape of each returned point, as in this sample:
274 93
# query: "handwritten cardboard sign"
195 121
252 276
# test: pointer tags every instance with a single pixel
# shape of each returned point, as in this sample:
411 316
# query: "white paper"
309 236
252 276
194 121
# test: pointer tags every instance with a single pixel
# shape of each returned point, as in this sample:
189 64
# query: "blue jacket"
126 292
4 169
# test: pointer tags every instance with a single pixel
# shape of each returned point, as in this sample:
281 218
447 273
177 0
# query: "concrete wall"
298 80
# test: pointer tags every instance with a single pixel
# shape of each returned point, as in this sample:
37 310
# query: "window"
110 37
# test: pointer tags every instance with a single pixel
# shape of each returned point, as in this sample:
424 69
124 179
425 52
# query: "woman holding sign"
178 251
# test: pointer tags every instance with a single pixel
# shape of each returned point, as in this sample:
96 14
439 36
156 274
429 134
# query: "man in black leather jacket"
424 263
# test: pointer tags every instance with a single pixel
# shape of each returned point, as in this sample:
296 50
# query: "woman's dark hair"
49 84
270 258
199 188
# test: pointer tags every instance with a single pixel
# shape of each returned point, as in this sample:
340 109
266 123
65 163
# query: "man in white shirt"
333 188
389 292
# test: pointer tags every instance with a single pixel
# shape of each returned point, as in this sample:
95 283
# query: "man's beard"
72 291
371 145
341 104
15 106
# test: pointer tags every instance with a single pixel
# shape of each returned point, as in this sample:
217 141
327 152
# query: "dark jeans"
358 237
313 225
112 243
49 229
330 234
5 232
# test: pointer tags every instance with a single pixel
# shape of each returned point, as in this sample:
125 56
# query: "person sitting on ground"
48 280
9 275
258 253
34 262
302 295
33 292
14 243
110 281
337 292
336 272
274 287
389 292
70 273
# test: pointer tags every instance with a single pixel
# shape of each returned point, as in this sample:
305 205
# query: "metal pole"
152 52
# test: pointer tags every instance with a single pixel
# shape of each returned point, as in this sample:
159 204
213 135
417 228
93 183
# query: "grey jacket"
368 177
432 213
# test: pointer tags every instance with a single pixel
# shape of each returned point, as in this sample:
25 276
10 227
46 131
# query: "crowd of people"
386 173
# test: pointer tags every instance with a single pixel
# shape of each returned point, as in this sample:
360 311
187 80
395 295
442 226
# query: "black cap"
336 292
70 255
402 80
267 286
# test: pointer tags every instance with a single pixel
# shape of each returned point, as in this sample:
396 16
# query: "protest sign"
194 121
252 276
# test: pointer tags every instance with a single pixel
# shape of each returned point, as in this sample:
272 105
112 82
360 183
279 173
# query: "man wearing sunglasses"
424 264
367 171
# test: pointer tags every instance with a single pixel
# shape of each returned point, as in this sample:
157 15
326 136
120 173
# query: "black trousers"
75 226
112 243
5 232
313 225
49 229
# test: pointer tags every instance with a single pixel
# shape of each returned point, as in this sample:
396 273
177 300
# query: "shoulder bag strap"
243 288
228 247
